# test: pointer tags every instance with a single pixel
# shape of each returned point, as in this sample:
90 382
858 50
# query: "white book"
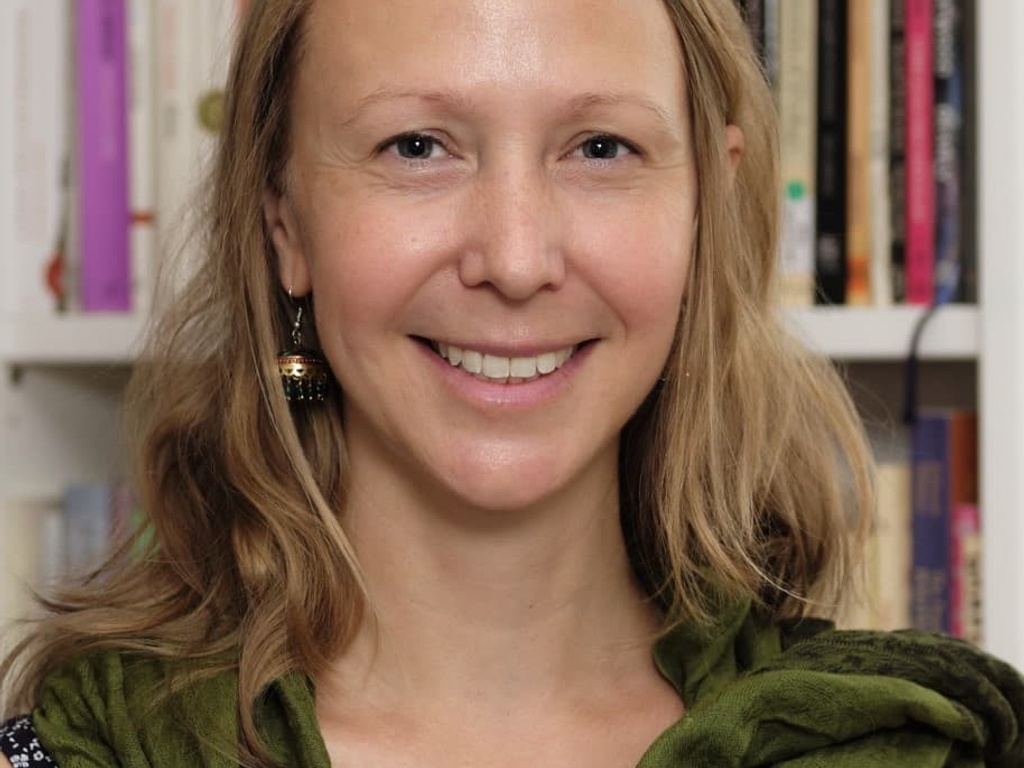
34 131
797 98
23 552
142 152
193 49
881 222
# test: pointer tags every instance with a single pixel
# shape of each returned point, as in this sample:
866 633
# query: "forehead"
354 47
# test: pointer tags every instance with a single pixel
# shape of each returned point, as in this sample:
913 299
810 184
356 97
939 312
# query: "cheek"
368 260
640 262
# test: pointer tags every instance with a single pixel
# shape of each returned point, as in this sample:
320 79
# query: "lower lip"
496 393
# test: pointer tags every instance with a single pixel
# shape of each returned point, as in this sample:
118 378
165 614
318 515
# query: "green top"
799 695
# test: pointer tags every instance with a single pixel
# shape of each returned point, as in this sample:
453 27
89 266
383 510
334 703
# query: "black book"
830 174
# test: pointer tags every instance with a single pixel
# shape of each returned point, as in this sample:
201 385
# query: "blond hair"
747 461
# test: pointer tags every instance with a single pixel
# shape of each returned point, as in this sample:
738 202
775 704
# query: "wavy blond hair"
747 461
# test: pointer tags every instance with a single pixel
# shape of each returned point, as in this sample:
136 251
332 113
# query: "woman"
533 241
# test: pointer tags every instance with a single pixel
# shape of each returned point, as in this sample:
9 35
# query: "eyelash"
394 142
609 137
432 141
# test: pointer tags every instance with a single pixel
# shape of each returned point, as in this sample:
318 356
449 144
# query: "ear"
286 237
734 146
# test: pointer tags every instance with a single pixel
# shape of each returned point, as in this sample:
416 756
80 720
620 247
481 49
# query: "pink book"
104 262
966 615
920 174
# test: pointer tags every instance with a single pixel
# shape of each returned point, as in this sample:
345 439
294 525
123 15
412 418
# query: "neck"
505 607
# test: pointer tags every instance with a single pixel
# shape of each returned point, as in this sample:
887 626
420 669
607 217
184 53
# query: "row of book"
110 111
47 541
876 108
923 564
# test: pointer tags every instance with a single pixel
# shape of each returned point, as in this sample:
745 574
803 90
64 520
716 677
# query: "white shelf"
73 339
885 334
843 333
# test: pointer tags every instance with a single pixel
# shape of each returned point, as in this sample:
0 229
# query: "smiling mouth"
506 370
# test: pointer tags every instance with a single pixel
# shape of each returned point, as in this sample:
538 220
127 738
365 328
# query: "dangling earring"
303 372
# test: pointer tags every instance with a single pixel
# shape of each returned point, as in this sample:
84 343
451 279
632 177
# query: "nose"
518 249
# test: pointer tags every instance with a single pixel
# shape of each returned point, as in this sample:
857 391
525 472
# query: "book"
968 167
830 165
944 476
858 157
891 548
24 522
878 151
88 526
193 50
919 255
34 147
949 148
101 92
798 122
142 134
897 155
966 612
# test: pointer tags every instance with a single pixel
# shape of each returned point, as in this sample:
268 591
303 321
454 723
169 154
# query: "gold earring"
304 373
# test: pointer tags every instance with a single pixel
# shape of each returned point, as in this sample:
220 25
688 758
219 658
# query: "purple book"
104 270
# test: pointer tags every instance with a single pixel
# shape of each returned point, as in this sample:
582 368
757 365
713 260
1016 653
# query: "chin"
527 487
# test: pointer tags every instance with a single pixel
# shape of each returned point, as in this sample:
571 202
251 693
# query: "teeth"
495 368
472 361
523 367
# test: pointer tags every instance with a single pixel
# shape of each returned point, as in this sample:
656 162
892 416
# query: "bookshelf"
61 378
70 339
1001 356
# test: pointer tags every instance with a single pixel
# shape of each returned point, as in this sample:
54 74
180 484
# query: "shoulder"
804 691
949 695
118 708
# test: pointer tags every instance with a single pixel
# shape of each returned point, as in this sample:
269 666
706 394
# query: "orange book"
858 154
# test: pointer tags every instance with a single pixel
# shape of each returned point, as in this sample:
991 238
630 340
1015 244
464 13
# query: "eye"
414 146
604 147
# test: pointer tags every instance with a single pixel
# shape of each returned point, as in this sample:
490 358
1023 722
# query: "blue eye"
604 147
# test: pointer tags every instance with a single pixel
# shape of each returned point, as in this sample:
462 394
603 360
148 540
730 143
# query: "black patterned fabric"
19 744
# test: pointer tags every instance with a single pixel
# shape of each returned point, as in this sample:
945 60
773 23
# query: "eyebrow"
579 103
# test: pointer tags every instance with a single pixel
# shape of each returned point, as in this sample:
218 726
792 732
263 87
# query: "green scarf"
798 695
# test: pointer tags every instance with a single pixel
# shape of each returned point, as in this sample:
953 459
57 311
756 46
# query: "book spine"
968 170
142 152
919 148
858 147
103 226
194 48
33 151
22 553
966 620
830 171
891 570
173 21
948 129
930 524
797 118
88 526
897 155
881 221
962 480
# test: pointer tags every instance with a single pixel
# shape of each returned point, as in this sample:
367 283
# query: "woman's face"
493 203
